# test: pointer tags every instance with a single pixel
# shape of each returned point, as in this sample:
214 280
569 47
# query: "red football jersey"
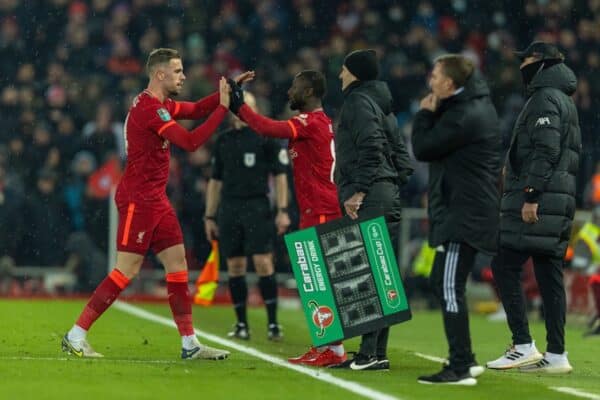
147 170
312 151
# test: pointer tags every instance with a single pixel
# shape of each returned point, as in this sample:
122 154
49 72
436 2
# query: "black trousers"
451 267
549 276
383 199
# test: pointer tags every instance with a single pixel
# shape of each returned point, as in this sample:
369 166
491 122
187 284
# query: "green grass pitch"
142 359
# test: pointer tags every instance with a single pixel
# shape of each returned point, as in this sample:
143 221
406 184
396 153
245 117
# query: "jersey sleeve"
195 110
265 126
158 116
276 156
159 120
299 125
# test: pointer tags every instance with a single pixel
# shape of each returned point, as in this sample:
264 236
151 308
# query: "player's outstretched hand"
244 77
224 92
237 96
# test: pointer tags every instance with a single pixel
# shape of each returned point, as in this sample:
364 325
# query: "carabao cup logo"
322 317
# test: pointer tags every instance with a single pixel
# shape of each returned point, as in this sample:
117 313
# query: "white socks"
526 348
76 334
189 342
338 349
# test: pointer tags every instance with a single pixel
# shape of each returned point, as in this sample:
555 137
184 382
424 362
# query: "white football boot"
79 348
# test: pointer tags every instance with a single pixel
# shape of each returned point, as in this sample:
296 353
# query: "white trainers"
79 348
550 364
517 356
204 352
476 370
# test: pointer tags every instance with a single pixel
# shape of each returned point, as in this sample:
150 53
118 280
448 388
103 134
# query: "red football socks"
104 295
180 301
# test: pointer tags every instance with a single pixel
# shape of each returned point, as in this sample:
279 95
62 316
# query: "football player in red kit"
146 218
312 151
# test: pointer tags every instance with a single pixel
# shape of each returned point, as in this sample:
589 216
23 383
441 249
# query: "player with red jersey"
146 218
312 151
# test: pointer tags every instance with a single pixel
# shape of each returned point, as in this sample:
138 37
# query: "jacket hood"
558 76
378 91
476 86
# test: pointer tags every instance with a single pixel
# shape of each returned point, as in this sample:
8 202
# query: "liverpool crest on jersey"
163 114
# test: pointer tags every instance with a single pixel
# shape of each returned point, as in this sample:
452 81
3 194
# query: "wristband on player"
209 218
282 209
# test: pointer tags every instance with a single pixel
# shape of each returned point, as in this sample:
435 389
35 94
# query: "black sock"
268 291
239 296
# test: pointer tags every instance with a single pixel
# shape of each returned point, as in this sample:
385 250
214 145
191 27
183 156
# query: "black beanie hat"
363 64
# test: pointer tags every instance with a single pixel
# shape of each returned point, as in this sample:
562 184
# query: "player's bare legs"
267 284
128 265
180 301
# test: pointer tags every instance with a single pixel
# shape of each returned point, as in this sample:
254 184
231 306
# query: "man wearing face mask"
538 206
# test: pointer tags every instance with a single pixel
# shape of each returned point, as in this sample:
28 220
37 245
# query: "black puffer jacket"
368 143
461 141
544 155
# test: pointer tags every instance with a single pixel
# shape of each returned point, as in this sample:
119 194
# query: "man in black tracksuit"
372 163
538 206
457 132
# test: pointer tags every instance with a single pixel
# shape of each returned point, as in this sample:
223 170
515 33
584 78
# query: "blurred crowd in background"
71 68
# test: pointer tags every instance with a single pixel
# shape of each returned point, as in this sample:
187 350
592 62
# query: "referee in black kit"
242 163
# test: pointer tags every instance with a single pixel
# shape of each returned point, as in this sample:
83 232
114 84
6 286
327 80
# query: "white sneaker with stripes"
517 356
550 364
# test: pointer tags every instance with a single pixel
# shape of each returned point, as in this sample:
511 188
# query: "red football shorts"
142 227
308 220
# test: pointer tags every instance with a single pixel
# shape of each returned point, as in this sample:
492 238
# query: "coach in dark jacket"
457 132
538 205
372 162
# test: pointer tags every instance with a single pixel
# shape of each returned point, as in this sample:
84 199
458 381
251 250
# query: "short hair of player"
456 67
160 56
316 81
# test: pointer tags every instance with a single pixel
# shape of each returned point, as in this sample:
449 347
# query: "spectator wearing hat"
538 206
372 163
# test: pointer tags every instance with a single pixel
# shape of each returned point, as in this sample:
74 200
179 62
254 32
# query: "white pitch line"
124 361
562 389
432 358
575 392
317 374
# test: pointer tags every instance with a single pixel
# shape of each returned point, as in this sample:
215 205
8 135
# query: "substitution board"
348 278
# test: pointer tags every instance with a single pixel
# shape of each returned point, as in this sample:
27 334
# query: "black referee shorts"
246 227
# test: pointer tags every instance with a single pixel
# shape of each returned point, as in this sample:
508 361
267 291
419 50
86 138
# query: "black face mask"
529 71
